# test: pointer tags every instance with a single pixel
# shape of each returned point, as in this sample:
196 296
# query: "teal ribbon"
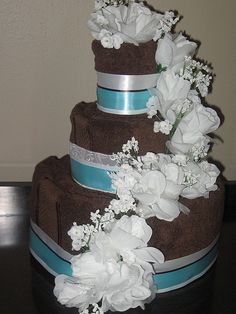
122 102
91 177
165 281
175 278
47 257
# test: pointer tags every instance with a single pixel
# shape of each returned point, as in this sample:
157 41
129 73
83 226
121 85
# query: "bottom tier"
189 243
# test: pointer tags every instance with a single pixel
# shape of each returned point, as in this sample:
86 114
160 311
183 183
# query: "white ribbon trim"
94 159
127 82
50 243
122 112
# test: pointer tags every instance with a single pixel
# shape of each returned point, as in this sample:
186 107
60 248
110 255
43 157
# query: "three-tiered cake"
157 229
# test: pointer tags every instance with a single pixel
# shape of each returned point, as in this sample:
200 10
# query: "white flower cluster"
115 22
198 74
81 235
115 273
199 150
161 179
166 24
129 154
131 145
103 3
164 127
176 105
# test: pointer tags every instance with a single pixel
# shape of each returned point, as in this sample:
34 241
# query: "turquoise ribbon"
91 177
165 281
47 257
122 102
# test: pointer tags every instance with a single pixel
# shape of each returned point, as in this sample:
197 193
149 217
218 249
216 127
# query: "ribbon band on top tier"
173 274
91 169
127 82
124 94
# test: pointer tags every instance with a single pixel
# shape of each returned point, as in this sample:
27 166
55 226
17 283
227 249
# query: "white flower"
89 269
134 226
192 129
152 106
80 235
76 232
205 178
171 51
134 23
110 41
180 160
150 161
124 180
164 127
128 288
153 190
171 90
71 293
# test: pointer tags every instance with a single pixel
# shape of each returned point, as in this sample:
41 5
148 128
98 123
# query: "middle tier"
105 133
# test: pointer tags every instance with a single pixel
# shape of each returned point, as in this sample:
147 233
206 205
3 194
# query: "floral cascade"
114 268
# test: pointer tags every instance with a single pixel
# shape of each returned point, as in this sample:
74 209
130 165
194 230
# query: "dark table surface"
25 288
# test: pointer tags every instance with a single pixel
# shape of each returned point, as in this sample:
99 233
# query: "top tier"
124 77
128 60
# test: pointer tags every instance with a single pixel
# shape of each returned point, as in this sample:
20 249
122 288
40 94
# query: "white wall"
46 67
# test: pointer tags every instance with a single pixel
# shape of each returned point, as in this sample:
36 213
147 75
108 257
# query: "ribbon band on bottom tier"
173 274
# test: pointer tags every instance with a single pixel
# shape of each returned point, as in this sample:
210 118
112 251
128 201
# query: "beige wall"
46 67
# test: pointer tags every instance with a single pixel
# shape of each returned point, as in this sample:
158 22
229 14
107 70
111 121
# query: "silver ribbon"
127 82
90 158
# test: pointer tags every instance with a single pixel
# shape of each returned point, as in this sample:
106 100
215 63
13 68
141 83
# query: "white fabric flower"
152 106
134 23
128 288
108 40
171 90
192 129
159 194
180 160
150 161
124 180
71 293
206 175
172 51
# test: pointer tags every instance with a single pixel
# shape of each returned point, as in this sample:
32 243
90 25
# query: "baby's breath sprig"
166 24
198 74
129 154
104 3
93 309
